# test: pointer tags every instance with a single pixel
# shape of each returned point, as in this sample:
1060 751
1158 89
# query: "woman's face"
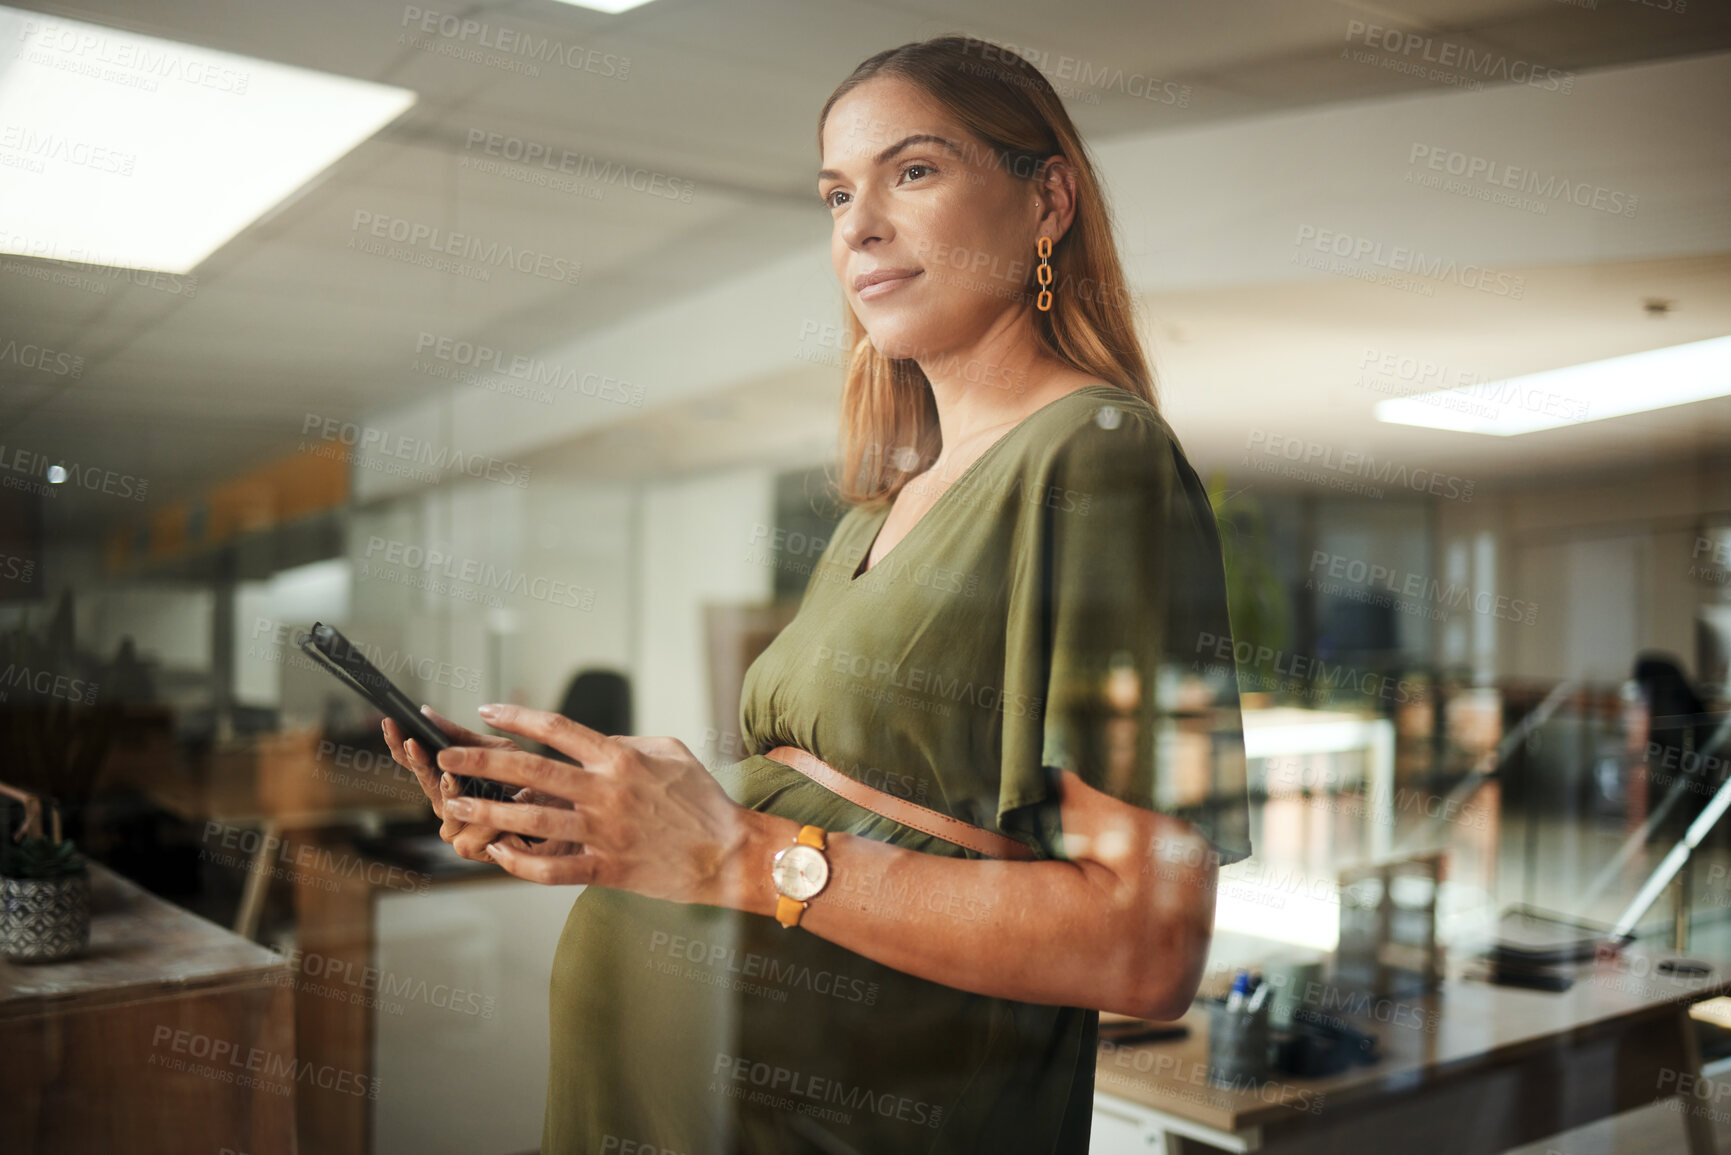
913 196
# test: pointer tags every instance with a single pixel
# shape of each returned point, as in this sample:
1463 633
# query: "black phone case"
327 646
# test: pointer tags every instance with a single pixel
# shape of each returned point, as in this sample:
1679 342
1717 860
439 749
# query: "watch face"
800 872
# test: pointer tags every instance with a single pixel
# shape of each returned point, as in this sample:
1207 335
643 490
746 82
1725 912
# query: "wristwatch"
800 872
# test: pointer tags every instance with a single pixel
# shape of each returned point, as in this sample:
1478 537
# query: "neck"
991 384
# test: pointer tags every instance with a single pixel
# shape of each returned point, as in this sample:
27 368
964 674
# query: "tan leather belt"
963 834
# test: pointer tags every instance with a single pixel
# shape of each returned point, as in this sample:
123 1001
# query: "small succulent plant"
39 857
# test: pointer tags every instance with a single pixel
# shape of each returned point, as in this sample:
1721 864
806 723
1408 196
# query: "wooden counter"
170 1034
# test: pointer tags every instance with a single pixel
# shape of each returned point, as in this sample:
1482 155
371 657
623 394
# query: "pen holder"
1237 1044
1293 983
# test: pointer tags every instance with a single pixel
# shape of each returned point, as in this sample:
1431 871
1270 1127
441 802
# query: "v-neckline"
859 574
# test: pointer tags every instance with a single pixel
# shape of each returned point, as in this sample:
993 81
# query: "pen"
1240 986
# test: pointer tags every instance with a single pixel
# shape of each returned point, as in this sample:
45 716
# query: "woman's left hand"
648 815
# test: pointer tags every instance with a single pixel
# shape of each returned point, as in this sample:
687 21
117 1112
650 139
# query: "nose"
866 220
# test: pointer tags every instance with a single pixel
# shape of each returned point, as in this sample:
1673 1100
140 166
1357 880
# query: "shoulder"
1108 435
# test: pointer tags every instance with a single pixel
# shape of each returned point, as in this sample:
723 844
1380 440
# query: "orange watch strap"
789 910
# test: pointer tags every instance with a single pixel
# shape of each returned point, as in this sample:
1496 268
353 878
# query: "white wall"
460 1050
645 559
1606 557
696 549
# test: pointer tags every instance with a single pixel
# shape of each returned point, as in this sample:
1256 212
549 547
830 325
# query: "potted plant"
60 710
1257 604
44 890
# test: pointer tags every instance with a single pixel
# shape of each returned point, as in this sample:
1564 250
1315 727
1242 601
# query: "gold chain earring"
1043 274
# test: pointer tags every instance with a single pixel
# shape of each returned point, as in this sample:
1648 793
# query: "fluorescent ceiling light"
126 150
1617 386
605 5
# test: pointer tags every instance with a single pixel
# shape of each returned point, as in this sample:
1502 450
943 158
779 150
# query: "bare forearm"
1053 932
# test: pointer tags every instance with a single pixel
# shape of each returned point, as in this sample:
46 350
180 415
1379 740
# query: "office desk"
277 784
1472 1068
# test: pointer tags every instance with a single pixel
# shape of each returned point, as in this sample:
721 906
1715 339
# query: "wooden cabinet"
169 1035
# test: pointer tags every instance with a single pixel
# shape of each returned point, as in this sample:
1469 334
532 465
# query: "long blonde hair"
889 429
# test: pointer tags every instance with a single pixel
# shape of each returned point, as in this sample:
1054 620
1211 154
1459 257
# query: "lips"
878 276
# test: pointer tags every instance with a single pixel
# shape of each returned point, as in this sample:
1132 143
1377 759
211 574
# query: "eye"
829 200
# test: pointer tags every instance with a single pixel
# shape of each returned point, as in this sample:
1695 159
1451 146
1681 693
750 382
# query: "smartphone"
327 647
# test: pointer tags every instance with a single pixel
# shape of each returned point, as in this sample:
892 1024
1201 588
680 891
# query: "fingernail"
490 711
447 783
460 808
494 848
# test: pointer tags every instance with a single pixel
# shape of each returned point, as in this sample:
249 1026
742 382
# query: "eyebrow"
886 154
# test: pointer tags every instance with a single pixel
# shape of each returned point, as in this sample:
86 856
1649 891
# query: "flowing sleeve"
1117 607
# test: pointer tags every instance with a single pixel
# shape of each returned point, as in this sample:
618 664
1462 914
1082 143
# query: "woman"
994 630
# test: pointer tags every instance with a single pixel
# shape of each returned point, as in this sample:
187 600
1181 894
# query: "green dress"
1045 612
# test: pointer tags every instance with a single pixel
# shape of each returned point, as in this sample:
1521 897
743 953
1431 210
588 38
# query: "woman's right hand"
468 841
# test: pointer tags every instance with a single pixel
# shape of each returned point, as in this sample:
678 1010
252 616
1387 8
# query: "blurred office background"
521 365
